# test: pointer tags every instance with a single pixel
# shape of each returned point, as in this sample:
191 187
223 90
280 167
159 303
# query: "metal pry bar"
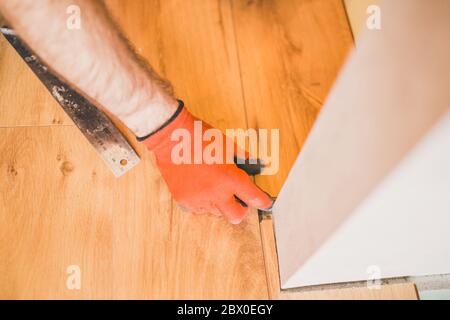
99 130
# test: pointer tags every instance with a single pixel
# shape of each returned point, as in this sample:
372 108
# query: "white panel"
402 228
392 91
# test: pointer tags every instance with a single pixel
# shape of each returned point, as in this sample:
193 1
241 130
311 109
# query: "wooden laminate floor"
237 64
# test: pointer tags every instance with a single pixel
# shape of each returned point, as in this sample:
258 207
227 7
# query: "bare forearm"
95 58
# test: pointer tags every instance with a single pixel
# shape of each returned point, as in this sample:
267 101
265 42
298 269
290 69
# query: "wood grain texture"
290 53
24 100
55 211
265 64
203 68
283 69
127 235
60 206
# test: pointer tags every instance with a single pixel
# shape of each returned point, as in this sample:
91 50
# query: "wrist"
160 140
167 123
150 116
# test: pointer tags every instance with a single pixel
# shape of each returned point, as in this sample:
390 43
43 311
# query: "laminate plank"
55 211
266 64
290 53
61 206
373 119
130 239
24 99
192 44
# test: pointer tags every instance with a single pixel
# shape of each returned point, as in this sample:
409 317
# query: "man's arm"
96 58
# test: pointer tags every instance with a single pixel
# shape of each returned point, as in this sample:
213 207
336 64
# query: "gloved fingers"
232 210
253 196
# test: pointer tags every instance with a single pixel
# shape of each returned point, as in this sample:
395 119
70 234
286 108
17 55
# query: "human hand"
198 184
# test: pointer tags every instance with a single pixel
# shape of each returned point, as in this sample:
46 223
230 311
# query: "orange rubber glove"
220 189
